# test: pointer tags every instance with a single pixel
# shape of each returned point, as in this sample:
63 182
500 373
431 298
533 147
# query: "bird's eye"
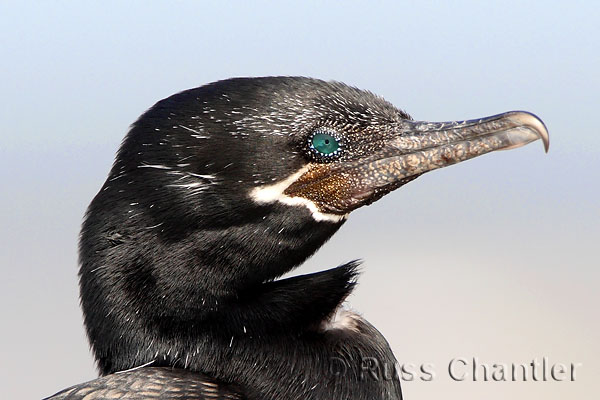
325 145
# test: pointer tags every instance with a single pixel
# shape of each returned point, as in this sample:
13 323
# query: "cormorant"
215 193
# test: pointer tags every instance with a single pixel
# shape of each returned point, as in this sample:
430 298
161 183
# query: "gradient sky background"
495 258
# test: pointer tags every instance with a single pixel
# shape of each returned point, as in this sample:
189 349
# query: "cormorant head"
222 148
222 187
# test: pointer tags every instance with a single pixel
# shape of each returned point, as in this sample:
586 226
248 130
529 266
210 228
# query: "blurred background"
495 258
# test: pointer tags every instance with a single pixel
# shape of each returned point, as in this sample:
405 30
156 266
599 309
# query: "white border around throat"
275 193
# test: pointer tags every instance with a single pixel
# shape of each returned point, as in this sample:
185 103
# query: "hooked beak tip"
534 123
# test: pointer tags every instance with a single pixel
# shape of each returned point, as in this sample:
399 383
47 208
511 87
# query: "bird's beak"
410 149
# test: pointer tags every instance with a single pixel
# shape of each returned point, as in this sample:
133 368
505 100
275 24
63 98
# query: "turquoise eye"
324 143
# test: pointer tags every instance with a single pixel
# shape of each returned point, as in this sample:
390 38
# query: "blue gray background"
495 258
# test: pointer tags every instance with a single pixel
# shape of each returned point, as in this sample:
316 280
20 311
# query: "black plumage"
218 191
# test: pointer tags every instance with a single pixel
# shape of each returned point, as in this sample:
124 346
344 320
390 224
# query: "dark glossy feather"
151 384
